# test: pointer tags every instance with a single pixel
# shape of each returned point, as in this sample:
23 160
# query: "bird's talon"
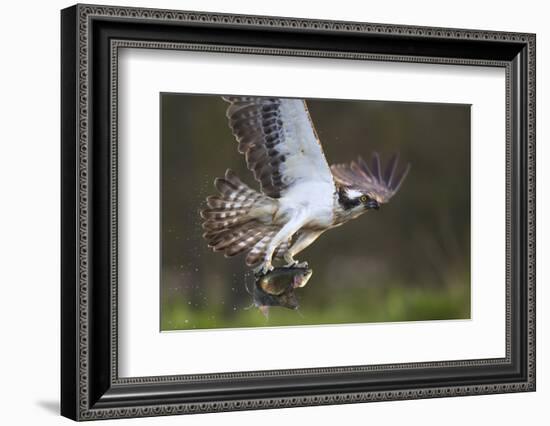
296 264
265 269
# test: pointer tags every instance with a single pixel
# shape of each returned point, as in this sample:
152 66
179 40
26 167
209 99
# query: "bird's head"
362 187
355 201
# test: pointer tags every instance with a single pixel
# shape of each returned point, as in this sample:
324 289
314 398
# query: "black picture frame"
90 386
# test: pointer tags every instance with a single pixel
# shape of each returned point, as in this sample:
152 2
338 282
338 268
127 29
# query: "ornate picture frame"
91 38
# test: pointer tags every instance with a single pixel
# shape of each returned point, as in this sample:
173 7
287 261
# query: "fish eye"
364 198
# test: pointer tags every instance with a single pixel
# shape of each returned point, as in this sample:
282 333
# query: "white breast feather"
314 198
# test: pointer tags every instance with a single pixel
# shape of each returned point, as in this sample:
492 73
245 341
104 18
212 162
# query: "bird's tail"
233 220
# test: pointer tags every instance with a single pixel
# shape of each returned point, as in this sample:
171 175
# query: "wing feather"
280 145
370 179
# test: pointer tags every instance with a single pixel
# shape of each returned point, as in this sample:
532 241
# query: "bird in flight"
300 195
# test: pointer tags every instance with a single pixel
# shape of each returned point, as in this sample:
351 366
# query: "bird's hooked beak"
372 204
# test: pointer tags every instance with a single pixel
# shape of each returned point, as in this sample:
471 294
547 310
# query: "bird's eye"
364 198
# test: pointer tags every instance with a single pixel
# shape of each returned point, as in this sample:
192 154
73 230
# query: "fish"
277 288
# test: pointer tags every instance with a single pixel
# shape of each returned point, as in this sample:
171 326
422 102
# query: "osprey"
300 196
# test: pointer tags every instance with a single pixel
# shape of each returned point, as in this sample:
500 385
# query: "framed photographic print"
263 212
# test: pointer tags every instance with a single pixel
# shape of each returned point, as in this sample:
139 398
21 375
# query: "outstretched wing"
379 184
278 139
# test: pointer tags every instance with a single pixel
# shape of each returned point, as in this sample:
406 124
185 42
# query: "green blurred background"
408 261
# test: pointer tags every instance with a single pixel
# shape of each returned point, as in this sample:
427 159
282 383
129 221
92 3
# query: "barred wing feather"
279 142
378 183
